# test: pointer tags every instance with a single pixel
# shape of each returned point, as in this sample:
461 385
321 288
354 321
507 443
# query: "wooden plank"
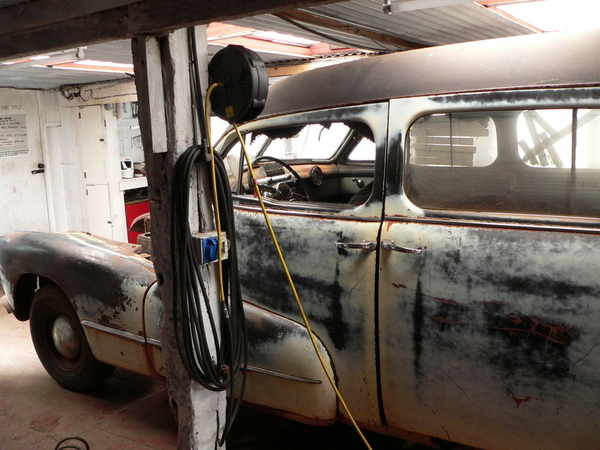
144 17
443 140
443 149
293 69
38 13
440 126
357 29
196 407
156 98
443 160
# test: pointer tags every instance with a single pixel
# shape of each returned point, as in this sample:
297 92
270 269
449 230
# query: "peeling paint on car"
488 335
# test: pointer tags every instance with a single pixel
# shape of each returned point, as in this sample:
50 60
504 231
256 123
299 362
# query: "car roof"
532 61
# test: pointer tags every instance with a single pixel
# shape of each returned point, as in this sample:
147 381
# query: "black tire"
81 373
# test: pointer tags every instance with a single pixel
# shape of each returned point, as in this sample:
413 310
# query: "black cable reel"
243 84
214 356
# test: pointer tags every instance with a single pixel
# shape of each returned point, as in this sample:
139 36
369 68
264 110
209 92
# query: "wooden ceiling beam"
165 15
294 69
340 25
39 13
71 33
91 22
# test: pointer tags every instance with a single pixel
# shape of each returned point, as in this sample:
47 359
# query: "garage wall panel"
23 200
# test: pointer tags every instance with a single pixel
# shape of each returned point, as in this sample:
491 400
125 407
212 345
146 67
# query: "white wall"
55 200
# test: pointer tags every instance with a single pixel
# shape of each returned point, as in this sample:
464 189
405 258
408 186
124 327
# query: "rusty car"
440 212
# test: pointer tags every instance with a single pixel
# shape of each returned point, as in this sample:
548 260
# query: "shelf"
133 183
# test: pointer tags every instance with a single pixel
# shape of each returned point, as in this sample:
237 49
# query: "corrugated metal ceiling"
450 24
434 26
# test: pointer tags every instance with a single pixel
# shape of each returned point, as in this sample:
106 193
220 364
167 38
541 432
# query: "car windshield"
314 142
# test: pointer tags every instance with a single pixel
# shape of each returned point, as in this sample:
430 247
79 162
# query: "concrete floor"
130 413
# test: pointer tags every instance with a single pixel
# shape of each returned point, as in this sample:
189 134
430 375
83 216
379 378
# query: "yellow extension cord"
207 112
295 291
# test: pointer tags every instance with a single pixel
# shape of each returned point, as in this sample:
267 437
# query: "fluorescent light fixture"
67 56
399 6
555 15
91 65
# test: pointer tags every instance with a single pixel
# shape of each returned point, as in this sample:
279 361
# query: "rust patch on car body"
520 400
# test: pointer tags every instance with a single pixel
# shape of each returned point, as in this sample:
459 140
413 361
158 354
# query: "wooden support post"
197 408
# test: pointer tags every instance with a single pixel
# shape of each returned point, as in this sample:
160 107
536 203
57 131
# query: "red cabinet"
134 209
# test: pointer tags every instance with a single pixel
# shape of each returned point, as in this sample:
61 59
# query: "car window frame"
374 115
405 110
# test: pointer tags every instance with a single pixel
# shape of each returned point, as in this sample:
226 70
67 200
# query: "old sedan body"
438 209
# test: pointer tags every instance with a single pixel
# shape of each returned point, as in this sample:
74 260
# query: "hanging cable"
294 290
212 344
213 351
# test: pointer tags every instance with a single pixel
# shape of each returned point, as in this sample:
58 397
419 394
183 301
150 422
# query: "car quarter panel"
283 373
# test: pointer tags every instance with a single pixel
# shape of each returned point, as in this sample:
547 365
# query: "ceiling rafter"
350 28
93 21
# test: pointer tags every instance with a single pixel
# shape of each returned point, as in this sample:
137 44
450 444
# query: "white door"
98 210
93 149
23 203
92 144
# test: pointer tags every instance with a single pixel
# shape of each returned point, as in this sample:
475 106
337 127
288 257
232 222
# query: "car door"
489 280
331 252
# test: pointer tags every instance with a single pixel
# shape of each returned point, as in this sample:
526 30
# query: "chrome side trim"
151 341
120 333
284 376
303 213
491 224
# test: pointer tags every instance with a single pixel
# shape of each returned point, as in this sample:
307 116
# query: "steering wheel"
289 168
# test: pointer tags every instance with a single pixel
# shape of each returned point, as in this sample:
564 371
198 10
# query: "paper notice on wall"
13 135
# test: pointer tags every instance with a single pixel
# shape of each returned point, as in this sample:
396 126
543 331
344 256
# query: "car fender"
283 373
104 280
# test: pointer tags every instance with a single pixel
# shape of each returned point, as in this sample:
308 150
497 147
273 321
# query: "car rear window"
534 161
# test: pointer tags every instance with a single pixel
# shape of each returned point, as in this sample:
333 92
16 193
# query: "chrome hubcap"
65 338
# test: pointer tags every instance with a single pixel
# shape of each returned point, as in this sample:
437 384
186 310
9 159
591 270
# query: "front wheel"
61 344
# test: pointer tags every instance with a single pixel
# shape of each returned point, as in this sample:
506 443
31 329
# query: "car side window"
314 141
506 161
453 140
308 163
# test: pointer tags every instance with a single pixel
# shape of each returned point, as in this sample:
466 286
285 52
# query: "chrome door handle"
391 245
367 246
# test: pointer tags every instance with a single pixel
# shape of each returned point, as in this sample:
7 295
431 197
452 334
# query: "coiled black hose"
214 353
